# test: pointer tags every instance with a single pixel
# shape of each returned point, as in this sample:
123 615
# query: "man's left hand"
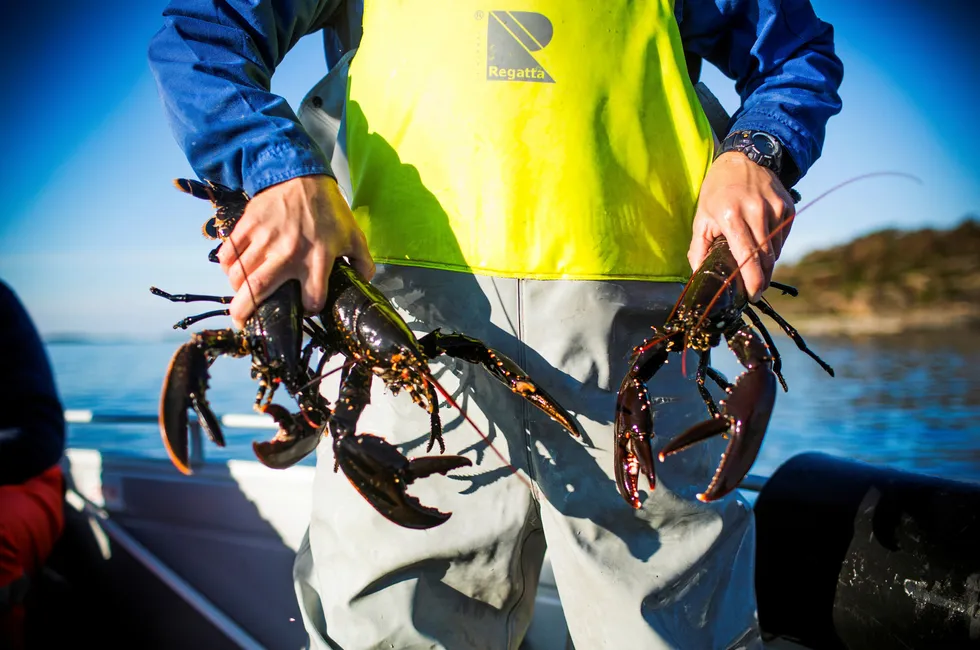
744 202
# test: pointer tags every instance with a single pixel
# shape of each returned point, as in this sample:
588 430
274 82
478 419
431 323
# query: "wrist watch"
761 148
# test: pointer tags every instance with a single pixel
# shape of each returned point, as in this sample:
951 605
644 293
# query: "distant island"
886 282
84 338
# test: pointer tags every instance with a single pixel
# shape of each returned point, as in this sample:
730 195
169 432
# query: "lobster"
712 305
357 322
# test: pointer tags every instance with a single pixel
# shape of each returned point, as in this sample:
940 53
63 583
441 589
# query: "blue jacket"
213 62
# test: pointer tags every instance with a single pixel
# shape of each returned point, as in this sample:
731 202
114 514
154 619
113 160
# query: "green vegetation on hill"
890 274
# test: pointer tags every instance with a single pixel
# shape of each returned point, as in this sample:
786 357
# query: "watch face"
764 143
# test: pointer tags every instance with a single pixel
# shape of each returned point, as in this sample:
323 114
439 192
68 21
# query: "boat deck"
149 555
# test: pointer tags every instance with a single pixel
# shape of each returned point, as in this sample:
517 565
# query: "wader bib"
559 143
556 139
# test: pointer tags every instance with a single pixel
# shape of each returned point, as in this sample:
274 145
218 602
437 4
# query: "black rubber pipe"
861 557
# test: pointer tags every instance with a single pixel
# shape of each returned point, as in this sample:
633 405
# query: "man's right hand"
295 229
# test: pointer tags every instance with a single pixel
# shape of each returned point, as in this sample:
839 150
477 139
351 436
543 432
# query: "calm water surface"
911 402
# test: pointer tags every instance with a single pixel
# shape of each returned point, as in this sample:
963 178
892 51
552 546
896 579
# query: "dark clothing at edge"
32 421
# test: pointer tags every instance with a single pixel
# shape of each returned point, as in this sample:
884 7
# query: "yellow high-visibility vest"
550 139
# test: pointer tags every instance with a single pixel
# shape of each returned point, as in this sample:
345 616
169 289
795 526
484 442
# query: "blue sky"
91 220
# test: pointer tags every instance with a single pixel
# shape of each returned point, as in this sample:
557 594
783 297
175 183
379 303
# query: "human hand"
295 229
744 202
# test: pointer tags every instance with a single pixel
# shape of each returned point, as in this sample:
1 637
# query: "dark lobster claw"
184 387
712 304
634 420
507 372
634 429
381 473
294 441
744 417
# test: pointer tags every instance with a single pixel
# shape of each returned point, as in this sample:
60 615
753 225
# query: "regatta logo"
511 37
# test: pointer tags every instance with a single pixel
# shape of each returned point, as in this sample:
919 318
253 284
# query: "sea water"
908 401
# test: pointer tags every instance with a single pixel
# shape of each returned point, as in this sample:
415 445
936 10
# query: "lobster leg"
355 394
704 370
193 297
377 469
718 378
744 418
190 297
502 368
709 401
184 323
634 420
791 332
435 424
785 288
777 360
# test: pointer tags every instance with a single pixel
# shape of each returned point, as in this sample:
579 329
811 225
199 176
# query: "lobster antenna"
687 285
429 378
786 222
251 293
646 346
673 312
684 358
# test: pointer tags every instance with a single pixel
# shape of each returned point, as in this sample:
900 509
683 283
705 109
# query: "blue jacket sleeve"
782 59
213 63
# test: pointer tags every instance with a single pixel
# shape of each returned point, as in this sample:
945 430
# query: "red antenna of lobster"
646 346
789 220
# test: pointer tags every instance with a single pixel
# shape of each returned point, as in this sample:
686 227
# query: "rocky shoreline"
887 282
944 317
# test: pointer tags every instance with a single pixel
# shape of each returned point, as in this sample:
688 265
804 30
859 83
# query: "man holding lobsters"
542 176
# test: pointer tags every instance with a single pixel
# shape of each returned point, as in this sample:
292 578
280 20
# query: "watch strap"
763 149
